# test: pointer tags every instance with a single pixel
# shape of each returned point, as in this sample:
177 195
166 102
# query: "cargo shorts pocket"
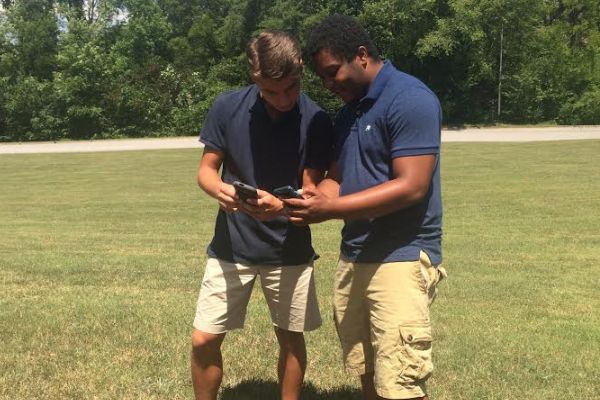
430 277
414 353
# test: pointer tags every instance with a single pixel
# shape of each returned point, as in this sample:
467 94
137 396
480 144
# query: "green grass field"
101 257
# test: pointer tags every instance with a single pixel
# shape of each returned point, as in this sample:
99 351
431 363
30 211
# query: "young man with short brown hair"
266 135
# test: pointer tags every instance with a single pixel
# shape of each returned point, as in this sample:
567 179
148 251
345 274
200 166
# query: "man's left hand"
263 208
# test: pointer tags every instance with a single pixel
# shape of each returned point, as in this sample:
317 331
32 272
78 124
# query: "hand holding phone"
244 191
257 203
287 192
226 197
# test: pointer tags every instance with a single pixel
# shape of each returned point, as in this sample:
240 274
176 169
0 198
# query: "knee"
203 342
289 340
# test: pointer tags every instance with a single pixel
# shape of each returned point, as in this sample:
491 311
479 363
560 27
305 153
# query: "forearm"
329 188
375 202
413 176
409 187
312 177
210 181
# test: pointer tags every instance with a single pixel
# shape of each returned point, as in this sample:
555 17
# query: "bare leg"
368 389
292 363
206 364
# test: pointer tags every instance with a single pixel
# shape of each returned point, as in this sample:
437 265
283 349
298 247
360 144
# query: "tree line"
111 68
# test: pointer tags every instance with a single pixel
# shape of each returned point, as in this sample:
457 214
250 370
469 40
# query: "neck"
372 69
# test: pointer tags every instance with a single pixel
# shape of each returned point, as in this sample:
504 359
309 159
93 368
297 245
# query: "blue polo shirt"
398 117
265 154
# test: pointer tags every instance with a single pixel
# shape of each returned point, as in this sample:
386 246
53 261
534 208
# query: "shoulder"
232 98
407 88
312 111
222 111
407 94
414 98
307 105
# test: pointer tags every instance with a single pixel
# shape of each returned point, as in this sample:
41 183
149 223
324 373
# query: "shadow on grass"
256 389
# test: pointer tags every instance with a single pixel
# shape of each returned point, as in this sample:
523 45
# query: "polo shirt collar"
376 88
381 80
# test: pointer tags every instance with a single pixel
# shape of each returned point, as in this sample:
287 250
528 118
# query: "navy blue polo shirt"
398 117
265 154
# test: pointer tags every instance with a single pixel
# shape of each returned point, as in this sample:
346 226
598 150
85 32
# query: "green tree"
92 68
83 79
34 37
197 50
138 104
30 107
28 46
461 55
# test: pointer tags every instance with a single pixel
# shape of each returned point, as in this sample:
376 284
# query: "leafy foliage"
104 68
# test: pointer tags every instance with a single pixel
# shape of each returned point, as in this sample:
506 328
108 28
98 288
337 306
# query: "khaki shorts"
381 313
226 289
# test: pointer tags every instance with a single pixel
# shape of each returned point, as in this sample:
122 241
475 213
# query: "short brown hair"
274 55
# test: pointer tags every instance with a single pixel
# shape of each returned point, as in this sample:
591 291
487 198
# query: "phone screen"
287 192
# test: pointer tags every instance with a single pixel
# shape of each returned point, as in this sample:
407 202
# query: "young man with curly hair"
385 183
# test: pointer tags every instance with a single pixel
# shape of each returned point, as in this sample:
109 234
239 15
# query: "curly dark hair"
342 36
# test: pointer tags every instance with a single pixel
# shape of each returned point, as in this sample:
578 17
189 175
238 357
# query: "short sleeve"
319 142
414 123
212 133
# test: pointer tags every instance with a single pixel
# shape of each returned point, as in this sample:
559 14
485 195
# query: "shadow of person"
256 389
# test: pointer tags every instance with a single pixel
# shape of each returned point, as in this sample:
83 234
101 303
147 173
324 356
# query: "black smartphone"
287 192
244 191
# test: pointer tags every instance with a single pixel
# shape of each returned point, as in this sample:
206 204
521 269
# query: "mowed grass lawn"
101 257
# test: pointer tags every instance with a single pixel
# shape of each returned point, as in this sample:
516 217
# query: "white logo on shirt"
368 128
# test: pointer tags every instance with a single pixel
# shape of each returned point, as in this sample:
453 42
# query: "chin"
285 109
344 96
348 99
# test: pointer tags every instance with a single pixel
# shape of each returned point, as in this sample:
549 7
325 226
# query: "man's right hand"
314 207
227 198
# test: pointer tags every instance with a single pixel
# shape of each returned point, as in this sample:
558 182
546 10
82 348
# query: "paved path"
462 135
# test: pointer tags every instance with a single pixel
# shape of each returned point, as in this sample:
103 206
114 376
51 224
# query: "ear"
363 56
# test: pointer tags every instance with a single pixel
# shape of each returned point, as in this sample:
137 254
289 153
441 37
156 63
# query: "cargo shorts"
381 313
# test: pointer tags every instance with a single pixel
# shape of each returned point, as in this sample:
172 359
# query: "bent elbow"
419 194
